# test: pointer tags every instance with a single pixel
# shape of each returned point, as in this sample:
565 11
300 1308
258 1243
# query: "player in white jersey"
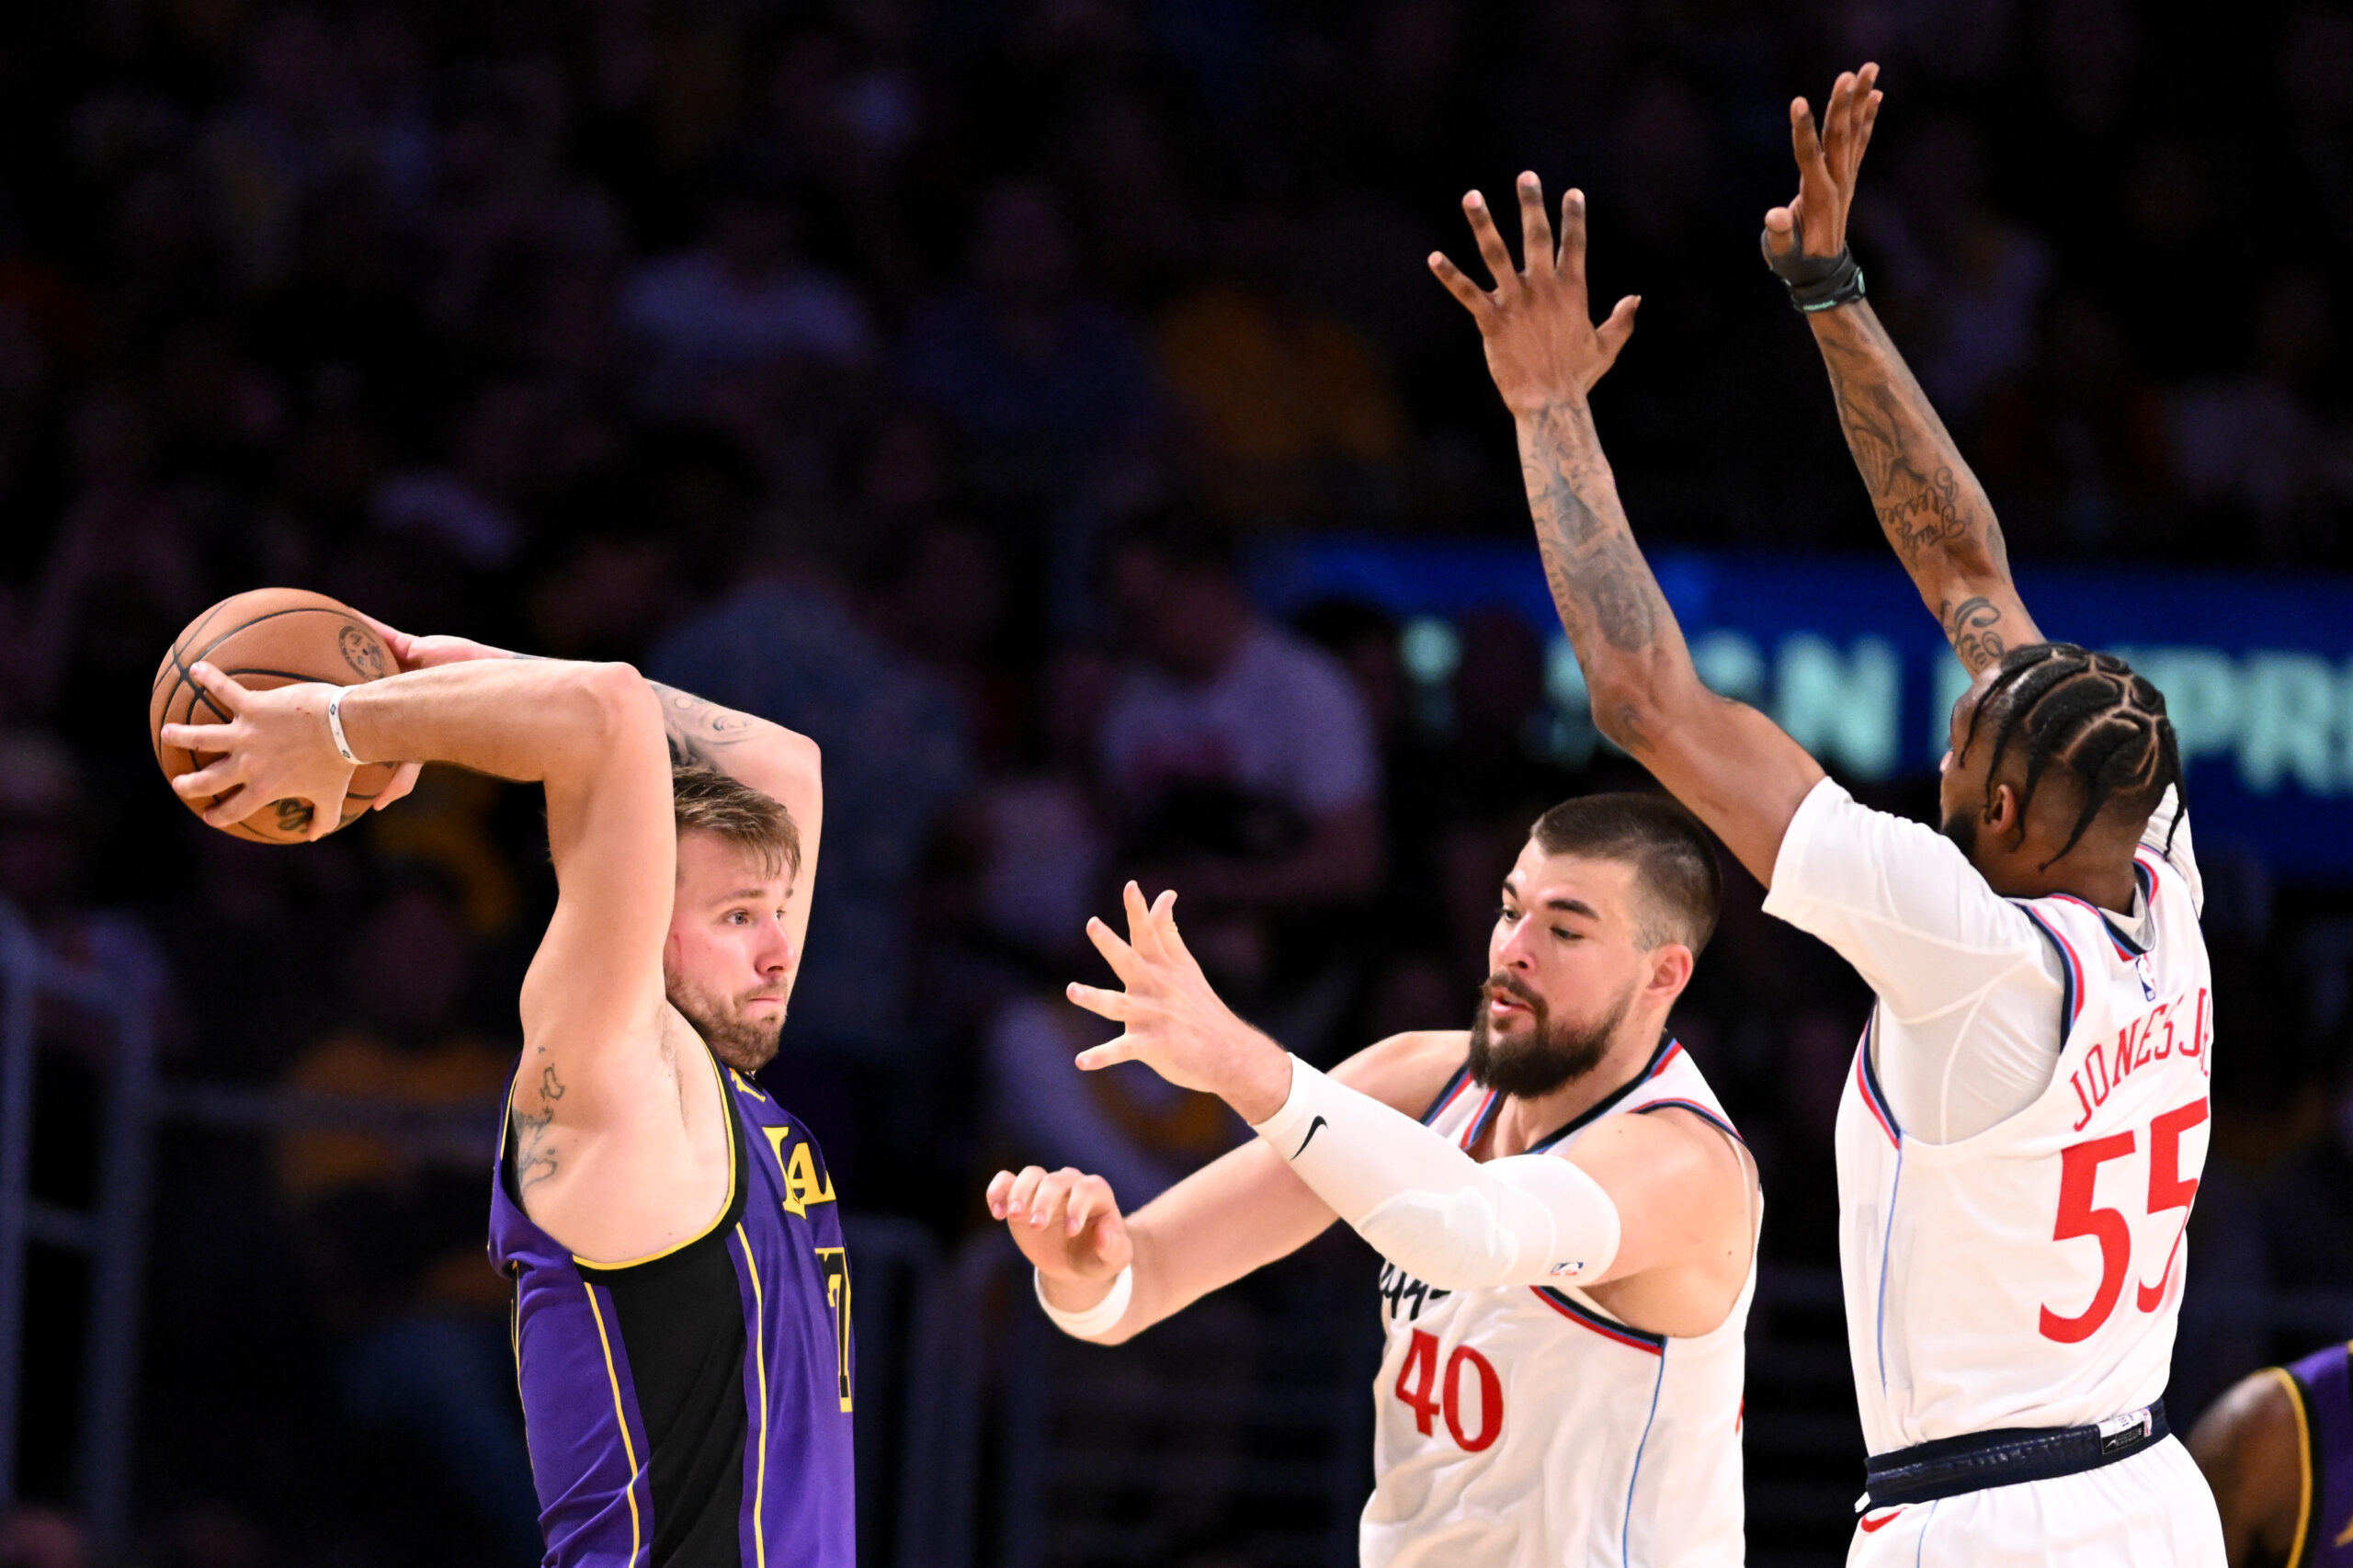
2012 1348
2022 1134
1567 1220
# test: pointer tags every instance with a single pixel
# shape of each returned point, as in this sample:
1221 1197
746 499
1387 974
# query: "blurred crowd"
921 375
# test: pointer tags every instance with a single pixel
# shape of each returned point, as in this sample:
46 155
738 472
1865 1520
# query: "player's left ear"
1671 967
2005 821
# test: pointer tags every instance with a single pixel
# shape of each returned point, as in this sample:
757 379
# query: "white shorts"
2150 1509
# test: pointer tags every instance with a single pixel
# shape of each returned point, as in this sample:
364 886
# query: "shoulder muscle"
1405 1072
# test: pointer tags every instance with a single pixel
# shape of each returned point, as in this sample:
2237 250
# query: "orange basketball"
266 638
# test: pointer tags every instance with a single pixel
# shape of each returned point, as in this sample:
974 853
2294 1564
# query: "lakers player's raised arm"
781 763
592 736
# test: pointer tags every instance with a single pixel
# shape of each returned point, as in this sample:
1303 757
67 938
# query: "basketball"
266 637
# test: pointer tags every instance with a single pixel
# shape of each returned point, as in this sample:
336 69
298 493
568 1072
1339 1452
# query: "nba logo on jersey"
2141 973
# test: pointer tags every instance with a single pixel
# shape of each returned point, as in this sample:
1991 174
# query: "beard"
745 1043
1552 1053
1962 828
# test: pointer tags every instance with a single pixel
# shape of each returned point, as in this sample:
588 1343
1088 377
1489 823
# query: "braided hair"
2091 714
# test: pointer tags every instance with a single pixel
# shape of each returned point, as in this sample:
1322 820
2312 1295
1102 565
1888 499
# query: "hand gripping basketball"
275 746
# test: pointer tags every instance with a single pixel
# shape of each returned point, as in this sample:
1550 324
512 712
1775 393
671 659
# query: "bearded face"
1539 1052
742 1031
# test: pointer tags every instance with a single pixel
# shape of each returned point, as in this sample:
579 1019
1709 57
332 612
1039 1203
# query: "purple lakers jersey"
692 1409
2322 1386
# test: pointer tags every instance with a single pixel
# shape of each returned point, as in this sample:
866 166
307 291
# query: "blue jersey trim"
1695 1108
1445 1095
1886 1242
2071 969
1626 1529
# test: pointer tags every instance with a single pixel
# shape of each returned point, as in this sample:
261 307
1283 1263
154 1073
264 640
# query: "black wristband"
1815 282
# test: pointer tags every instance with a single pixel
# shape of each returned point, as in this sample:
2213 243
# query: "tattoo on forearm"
1601 586
698 728
1929 505
534 1161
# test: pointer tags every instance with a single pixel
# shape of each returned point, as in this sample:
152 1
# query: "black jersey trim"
1587 1117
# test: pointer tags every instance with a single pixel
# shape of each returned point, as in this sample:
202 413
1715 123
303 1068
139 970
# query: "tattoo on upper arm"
534 1161
1974 627
1600 583
698 728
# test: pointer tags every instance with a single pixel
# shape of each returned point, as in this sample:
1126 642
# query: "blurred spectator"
32 1535
1225 704
1287 402
1045 380
2078 446
44 820
393 1219
2255 440
742 296
787 645
1968 283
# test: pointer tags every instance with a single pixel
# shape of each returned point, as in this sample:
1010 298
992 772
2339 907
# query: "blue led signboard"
2256 668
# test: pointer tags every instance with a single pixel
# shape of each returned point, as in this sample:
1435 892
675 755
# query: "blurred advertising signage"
2256 668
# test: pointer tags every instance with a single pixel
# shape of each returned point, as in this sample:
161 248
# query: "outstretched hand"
1175 1023
274 746
1828 160
1542 345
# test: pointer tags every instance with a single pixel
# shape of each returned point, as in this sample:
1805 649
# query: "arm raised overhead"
1930 505
1736 770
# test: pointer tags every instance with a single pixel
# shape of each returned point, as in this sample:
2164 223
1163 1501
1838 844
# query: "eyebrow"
744 893
1566 906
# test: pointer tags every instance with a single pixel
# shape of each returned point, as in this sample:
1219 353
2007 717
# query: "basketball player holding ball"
682 1296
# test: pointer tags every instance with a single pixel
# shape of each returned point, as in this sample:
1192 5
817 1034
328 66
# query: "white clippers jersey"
2030 1274
1525 1427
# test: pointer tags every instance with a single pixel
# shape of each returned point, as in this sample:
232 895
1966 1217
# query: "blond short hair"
710 801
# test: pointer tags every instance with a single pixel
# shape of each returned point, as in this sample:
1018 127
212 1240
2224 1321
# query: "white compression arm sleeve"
1432 1209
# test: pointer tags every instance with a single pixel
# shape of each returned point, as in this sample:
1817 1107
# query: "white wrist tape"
1099 1319
334 722
1432 1209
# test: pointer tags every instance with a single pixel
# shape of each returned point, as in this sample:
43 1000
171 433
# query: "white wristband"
1100 1318
334 722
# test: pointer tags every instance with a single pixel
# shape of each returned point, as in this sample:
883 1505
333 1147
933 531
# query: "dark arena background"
818 358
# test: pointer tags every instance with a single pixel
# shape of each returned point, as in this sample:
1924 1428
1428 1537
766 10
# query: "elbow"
1628 708
612 703
802 756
